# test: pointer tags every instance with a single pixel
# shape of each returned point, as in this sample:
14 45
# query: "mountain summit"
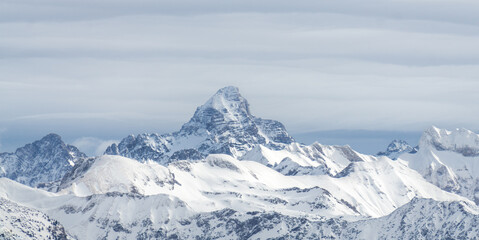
226 115
224 124
42 161
227 103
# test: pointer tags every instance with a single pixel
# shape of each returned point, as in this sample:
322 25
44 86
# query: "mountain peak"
396 148
41 161
398 145
223 124
225 108
229 102
46 144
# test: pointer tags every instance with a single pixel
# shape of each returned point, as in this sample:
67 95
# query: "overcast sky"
95 71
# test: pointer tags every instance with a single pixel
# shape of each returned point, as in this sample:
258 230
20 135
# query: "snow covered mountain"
42 161
222 197
449 160
396 148
223 124
227 174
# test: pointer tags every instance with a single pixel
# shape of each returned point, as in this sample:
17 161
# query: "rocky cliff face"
42 161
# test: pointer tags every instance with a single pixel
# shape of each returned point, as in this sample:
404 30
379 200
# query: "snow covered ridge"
42 161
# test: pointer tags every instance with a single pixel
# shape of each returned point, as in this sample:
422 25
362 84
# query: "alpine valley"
227 174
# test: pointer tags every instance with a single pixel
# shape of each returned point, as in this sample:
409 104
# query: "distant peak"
396 148
398 145
398 142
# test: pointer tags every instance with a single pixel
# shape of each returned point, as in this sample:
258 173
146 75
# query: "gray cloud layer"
104 69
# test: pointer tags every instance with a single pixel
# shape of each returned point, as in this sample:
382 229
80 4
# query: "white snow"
374 188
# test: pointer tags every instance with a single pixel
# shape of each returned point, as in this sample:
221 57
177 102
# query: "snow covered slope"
378 188
42 161
103 216
223 124
132 216
449 160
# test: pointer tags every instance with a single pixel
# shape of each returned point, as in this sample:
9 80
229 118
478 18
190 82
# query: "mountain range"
227 174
